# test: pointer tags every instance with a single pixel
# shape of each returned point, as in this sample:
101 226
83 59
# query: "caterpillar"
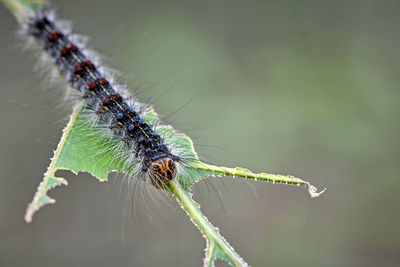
112 105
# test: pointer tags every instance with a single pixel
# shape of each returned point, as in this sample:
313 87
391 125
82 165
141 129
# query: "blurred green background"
308 88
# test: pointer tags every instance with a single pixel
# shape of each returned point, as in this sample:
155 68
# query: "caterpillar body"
110 106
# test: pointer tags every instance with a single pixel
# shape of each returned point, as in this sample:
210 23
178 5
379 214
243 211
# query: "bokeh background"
309 88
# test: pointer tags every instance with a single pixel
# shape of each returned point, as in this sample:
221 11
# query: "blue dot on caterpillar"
155 158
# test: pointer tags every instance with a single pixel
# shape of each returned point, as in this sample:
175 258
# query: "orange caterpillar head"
162 171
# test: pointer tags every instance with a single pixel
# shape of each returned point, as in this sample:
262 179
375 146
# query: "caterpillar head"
162 171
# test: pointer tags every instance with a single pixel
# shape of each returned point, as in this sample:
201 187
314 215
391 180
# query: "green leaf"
85 147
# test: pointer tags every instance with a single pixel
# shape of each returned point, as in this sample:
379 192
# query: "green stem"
217 246
247 174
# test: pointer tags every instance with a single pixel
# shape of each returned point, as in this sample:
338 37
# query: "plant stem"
215 242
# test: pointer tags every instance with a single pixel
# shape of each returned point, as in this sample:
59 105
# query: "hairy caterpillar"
111 104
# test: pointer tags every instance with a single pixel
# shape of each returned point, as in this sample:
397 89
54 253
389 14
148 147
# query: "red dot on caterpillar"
106 101
67 49
117 97
63 52
70 47
54 35
78 69
88 63
92 85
